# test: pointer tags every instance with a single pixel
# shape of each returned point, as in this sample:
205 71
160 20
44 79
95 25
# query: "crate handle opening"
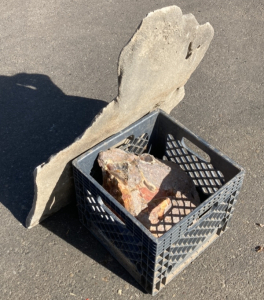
169 269
203 214
195 150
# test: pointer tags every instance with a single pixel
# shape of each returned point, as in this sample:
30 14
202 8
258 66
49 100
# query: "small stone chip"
105 279
119 292
260 225
259 248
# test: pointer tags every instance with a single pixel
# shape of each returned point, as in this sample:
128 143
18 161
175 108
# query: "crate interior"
165 142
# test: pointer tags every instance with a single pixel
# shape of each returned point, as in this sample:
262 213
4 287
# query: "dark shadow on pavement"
36 120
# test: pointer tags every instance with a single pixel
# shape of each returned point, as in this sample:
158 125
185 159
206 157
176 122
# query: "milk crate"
153 261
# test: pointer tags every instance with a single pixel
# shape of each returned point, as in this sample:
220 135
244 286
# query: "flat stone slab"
152 71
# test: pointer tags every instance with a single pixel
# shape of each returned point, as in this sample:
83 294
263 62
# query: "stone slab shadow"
36 120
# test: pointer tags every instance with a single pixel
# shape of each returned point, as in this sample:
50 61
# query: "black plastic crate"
152 261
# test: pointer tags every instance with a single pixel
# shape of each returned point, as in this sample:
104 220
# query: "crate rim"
141 120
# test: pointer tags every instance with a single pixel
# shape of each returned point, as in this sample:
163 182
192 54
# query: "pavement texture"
58 68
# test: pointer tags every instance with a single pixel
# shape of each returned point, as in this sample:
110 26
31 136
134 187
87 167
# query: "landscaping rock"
156 192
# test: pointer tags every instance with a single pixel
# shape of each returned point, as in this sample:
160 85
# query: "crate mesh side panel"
135 145
92 213
178 247
231 189
131 242
203 174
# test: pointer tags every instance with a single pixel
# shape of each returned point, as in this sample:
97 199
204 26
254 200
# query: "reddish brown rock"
180 207
156 210
158 193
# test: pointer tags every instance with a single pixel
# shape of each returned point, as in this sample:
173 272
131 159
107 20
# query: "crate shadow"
66 225
36 120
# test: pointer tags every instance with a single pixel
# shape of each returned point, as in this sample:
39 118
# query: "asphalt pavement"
58 68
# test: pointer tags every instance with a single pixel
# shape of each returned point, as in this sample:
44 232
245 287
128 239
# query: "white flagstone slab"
152 71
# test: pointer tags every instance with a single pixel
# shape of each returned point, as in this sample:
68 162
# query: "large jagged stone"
152 71
156 192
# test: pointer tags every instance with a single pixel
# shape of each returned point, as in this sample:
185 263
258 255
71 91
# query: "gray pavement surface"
57 70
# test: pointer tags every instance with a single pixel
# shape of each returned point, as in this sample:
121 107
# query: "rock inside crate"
158 193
